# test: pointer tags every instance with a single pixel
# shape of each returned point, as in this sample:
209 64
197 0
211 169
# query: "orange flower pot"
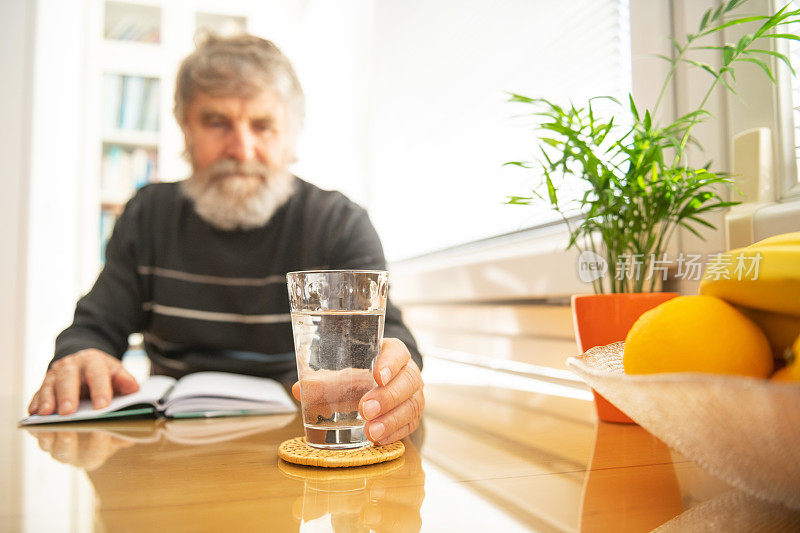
601 319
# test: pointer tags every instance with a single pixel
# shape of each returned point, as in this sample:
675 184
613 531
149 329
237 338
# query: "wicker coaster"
297 451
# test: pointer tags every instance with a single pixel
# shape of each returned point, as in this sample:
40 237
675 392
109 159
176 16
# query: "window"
440 124
789 101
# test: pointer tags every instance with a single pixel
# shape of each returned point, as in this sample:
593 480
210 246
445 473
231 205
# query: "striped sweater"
208 299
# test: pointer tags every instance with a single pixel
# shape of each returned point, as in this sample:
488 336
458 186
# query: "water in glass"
335 353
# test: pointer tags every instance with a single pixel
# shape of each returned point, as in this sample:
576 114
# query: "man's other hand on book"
89 451
392 409
89 373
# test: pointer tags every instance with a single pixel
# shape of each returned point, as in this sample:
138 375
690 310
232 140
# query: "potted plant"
634 185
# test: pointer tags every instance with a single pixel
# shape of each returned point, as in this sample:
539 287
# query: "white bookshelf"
133 53
132 21
148 139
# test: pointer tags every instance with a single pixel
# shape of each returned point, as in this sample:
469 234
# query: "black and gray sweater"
208 299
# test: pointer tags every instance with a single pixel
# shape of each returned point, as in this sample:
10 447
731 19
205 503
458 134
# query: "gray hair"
241 65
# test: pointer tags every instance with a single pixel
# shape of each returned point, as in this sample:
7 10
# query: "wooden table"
488 458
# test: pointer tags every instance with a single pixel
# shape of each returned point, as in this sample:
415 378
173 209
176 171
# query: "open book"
203 394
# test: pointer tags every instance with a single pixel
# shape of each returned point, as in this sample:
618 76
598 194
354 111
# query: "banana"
784 238
781 329
763 276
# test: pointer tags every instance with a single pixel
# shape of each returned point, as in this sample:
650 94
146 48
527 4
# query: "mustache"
227 167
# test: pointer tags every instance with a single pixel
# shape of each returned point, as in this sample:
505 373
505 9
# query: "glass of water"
337 321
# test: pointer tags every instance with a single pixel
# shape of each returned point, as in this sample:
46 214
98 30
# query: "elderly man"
199 265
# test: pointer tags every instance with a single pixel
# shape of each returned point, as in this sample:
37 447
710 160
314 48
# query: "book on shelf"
131 106
112 169
112 100
141 25
125 170
130 103
198 395
141 169
150 106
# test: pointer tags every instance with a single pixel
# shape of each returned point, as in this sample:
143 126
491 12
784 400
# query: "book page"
210 391
149 393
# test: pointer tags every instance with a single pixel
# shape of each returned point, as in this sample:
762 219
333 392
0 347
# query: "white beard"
231 203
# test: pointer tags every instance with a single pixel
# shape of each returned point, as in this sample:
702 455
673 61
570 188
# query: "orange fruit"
697 334
787 373
791 372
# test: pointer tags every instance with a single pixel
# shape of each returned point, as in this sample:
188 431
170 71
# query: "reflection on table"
631 483
383 497
490 457
213 474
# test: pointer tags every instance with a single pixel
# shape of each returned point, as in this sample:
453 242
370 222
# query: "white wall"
14 163
56 207
757 106
15 31
328 44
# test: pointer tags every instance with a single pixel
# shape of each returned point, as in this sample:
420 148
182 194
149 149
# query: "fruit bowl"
746 431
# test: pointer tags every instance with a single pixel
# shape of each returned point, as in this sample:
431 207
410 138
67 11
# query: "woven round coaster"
297 451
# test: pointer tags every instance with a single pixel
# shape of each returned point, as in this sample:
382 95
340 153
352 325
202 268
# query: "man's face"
240 149
254 129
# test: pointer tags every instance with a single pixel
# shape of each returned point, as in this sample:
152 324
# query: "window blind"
440 126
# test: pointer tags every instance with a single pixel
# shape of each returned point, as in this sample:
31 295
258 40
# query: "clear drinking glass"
337 320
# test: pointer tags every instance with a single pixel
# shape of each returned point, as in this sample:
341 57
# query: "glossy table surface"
489 457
